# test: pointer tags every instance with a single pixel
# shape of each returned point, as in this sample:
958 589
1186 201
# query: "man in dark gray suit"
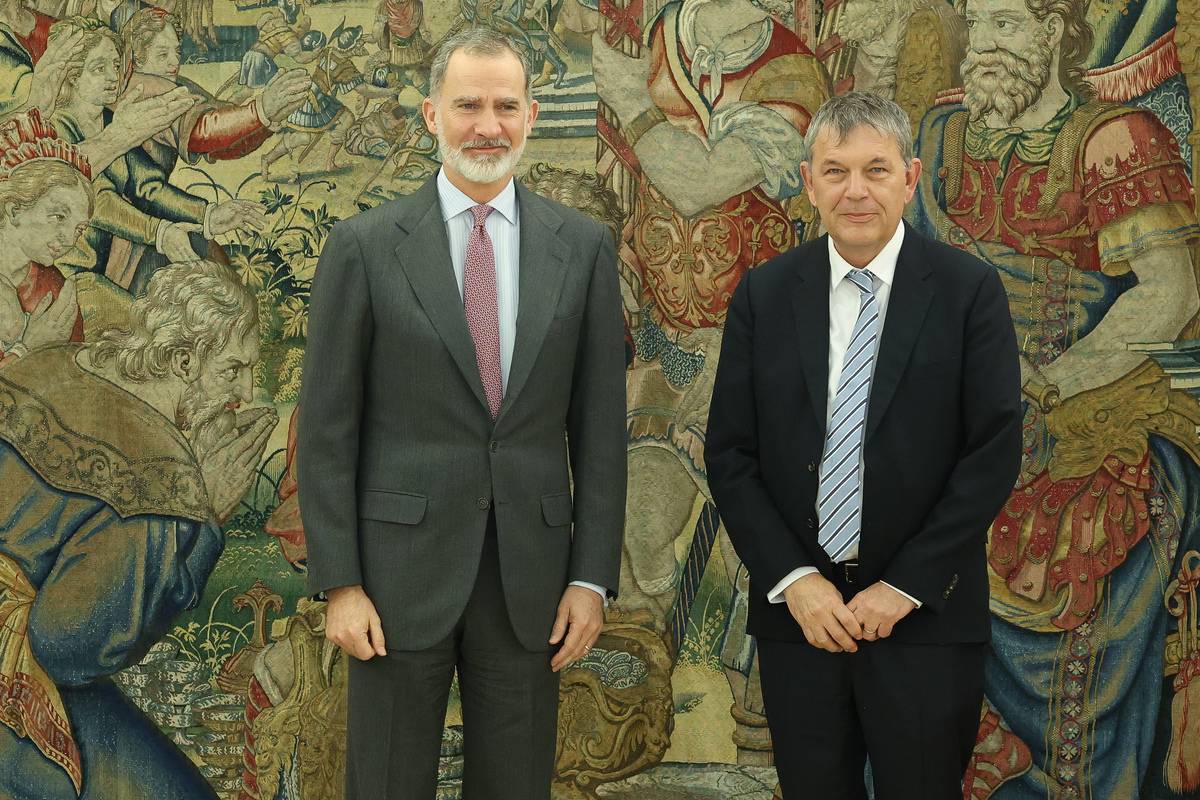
465 365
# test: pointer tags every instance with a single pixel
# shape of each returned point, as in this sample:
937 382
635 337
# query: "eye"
57 217
230 374
1003 24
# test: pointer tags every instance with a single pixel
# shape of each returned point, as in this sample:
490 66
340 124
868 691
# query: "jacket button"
812 523
494 446
483 503
812 467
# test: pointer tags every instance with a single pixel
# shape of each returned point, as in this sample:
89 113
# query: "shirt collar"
454 202
883 266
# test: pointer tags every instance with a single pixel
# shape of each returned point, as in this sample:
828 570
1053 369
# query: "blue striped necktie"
839 501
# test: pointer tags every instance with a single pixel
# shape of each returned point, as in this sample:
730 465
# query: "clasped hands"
837 626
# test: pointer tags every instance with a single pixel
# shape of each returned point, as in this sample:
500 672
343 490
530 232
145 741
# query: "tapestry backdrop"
137 642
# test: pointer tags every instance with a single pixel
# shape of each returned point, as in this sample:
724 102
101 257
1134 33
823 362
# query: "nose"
487 125
856 186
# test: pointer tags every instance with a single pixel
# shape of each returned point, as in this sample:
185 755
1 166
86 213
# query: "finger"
376 632
362 647
257 436
839 634
131 96
249 416
848 621
885 630
560 625
822 640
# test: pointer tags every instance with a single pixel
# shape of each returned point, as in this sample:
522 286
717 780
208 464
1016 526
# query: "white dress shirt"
504 229
844 302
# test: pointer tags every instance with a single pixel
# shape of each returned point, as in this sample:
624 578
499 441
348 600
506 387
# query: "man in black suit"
865 428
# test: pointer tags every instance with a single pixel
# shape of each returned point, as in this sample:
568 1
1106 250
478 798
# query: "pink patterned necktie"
483 316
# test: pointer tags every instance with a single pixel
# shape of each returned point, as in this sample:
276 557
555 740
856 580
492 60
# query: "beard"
1006 82
197 409
480 169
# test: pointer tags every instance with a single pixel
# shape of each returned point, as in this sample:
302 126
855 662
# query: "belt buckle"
850 570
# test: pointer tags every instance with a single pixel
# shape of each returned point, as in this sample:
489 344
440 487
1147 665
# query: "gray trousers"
397 708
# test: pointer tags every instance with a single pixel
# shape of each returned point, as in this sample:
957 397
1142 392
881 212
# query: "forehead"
103 50
71 197
166 35
861 143
984 8
244 350
468 73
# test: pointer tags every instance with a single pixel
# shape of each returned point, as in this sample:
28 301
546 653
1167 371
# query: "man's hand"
285 93
817 606
136 119
12 316
53 320
352 623
51 69
580 617
246 216
176 244
878 608
228 464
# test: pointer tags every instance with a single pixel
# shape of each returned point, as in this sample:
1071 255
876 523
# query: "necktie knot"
481 212
864 279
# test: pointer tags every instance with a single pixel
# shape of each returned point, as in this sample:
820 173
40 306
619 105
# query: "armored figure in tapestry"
1086 210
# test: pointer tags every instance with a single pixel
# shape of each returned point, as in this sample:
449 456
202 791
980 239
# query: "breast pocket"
399 508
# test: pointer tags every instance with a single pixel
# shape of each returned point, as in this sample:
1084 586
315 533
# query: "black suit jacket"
942 445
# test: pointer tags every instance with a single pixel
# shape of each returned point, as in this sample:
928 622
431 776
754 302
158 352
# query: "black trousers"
509 696
913 708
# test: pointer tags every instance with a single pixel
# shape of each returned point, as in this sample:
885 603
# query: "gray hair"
843 113
478 42
196 306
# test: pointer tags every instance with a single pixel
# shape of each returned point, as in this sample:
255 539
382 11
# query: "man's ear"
806 176
1055 26
185 365
429 112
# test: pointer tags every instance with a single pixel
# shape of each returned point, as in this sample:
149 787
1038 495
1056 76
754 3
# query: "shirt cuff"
905 594
600 590
207 229
159 232
776 594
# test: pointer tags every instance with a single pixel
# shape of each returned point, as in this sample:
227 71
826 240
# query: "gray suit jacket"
398 460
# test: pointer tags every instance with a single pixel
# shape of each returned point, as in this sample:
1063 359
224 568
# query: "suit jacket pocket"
398 507
556 509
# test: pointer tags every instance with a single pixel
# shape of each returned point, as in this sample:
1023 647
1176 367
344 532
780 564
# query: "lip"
865 217
54 252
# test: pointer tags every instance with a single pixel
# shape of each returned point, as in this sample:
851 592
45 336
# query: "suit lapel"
425 257
907 305
810 300
541 273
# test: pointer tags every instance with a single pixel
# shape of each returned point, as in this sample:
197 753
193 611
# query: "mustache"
505 143
1000 57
